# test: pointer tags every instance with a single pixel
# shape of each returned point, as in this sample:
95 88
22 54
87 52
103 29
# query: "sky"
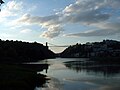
60 22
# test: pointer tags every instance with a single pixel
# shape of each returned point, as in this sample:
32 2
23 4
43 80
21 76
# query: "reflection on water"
80 74
106 70
53 84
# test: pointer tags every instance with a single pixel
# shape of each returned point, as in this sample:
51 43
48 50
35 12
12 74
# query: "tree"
1 2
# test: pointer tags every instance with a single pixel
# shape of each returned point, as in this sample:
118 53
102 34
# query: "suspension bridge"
53 45
56 48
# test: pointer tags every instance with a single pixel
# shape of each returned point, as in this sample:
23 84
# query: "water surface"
70 74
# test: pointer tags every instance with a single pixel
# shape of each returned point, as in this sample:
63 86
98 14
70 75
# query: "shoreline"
18 77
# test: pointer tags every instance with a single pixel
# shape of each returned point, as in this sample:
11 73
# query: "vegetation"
17 76
14 77
18 51
106 48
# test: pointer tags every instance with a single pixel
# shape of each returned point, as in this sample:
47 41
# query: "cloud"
86 12
25 31
51 23
102 32
52 32
92 13
43 21
105 29
96 13
10 9
87 18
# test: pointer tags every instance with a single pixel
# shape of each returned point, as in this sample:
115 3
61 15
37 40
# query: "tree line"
105 48
18 51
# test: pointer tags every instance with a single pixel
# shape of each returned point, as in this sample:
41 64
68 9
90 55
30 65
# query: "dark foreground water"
69 74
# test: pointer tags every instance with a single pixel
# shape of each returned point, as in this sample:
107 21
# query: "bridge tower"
47 45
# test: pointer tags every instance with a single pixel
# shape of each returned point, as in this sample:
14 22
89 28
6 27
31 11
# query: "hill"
106 48
18 51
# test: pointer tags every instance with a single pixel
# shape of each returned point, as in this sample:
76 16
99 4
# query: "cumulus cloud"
10 8
51 23
9 12
96 13
52 32
87 18
90 11
44 21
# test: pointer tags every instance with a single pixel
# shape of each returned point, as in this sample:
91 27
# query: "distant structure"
47 45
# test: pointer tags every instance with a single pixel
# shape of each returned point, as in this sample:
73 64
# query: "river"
68 74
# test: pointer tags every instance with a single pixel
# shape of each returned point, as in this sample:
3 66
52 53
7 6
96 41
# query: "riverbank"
106 60
18 77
